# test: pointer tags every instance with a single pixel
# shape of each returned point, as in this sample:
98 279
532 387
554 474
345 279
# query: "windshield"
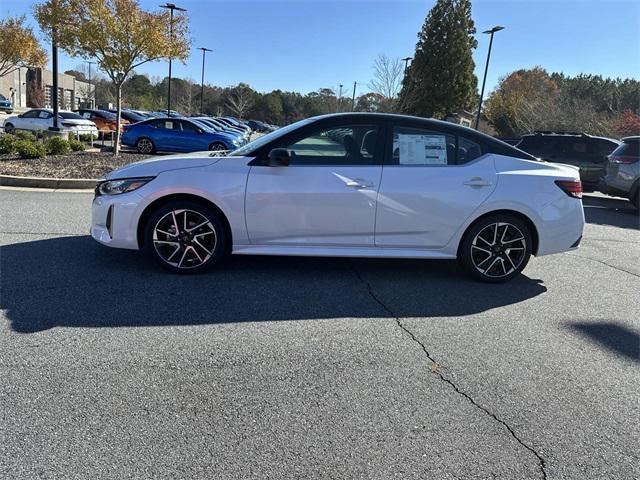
250 147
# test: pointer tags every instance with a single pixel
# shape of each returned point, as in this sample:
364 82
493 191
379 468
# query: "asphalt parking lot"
313 368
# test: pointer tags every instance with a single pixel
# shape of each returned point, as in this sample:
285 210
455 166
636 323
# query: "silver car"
623 171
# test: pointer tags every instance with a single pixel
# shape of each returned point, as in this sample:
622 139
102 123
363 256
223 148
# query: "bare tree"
387 78
240 100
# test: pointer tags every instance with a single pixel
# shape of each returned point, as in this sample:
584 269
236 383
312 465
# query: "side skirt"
313 251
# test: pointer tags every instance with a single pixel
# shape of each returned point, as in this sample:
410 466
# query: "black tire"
217 147
145 145
9 128
635 196
506 258
194 251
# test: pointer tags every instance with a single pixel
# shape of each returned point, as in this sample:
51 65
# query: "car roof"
546 133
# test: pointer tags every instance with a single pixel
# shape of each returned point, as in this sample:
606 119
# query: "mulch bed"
73 165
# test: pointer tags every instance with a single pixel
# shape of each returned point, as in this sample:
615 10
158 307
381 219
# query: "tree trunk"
116 141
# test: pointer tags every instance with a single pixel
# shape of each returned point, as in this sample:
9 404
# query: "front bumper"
114 220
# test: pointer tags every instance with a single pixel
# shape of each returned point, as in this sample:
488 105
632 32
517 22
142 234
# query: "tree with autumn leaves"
532 99
118 34
19 47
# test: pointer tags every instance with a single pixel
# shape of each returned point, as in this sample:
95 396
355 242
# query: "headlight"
116 187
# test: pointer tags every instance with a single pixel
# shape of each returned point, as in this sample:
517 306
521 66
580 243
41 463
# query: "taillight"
573 188
626 159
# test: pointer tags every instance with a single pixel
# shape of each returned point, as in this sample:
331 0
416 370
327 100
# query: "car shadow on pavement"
610 211
75 282
613 336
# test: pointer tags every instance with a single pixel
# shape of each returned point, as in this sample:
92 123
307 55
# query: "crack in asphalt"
605 263
436 370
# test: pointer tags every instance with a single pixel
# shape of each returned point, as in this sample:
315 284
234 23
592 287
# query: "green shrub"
27 149
76 145
57 146
87 137
23 135
8 143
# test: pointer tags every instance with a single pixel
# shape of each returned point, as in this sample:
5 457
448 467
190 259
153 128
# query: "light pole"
204 52
353 98
92 97
406 63
495 29
340 96
171 7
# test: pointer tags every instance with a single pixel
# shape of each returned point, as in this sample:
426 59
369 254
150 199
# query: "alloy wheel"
184 239
145 145
498 249
217 147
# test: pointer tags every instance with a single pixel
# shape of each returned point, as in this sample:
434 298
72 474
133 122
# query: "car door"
432 181
27 121
43 121
191 137
326 196
165 134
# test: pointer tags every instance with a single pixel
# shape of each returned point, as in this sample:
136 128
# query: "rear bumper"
562 224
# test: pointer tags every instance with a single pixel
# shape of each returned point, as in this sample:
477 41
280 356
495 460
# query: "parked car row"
608 165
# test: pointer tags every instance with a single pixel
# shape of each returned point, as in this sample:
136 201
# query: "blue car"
5 104
175 135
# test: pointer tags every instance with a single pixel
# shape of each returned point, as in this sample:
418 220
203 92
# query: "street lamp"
353 98
204 52
340 96
92 97
495 29
171 7
406 63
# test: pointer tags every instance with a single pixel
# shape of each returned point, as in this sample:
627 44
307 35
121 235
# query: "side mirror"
20 115
278 157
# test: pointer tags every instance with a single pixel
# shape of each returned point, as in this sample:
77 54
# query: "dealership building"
33 87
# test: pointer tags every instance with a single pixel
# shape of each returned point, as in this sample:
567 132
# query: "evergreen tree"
440 79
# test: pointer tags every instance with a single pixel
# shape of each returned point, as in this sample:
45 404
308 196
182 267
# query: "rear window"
70 116
629 147
107 115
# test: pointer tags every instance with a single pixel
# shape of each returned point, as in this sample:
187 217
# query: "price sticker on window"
422 149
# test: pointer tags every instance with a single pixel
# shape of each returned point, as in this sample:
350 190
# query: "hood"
153 166
76 121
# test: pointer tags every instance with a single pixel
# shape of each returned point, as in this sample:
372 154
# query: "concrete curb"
51 183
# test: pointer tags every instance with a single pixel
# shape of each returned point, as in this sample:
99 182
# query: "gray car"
623 171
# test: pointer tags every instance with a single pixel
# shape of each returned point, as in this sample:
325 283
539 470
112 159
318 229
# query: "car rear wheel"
217 147
145 145
496 248
186 237
9 128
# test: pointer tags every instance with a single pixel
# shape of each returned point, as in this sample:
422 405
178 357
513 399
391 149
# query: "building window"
48 93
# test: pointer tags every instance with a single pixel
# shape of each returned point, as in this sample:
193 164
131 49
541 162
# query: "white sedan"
347 185
42 119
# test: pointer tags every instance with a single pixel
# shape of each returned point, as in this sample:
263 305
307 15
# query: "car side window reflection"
345 145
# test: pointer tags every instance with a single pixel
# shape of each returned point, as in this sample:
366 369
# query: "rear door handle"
477 182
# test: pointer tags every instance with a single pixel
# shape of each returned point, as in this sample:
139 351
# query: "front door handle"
477 182
359 183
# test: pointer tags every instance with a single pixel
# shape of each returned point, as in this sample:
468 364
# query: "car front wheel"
217 147
186 237
496 248
9 128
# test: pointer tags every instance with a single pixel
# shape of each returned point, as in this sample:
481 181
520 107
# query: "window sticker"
422 149
168 124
